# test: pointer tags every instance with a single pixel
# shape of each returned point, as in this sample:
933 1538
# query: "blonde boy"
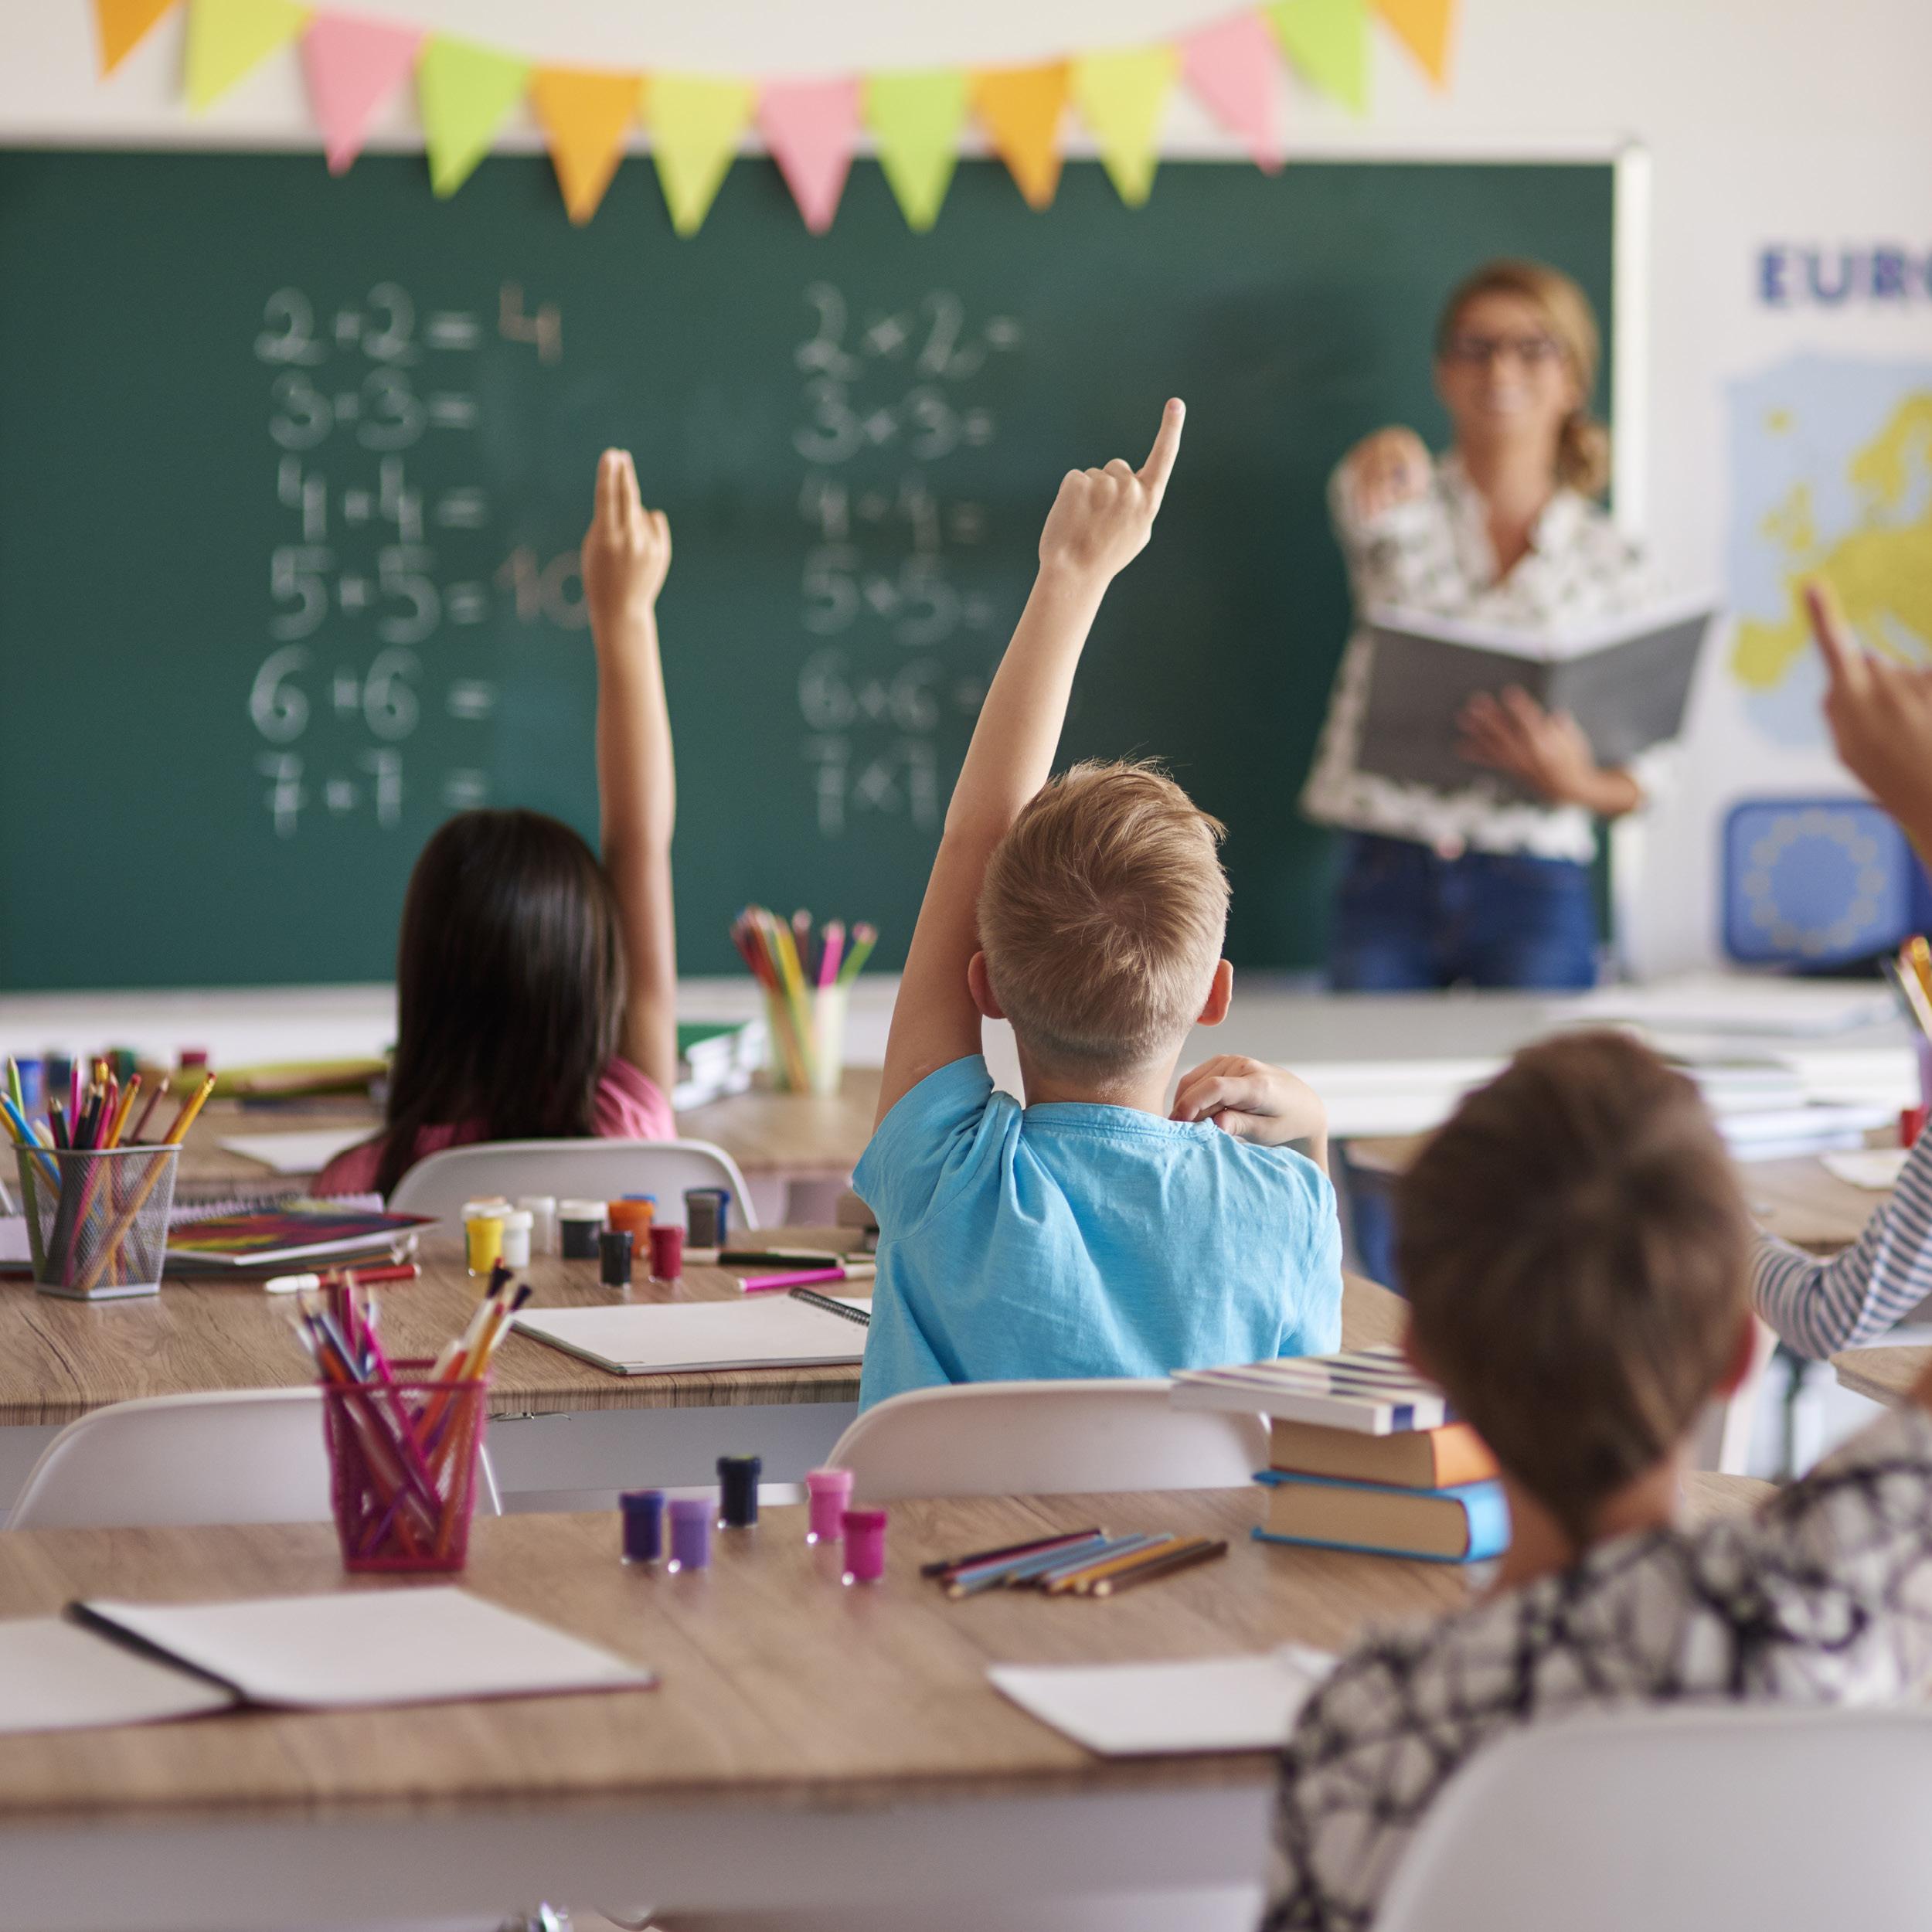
1091 1232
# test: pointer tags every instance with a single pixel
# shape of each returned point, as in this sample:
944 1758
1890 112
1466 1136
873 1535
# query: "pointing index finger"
1843 659
1159 465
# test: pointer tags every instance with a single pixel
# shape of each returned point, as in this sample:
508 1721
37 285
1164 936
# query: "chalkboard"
293 471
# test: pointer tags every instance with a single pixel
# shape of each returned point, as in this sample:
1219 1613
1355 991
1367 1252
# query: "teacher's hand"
1391 466
1546 750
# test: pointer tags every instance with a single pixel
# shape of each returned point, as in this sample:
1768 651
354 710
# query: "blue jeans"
1408 921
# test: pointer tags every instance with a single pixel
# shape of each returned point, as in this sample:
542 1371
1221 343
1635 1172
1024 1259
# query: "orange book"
1414 1459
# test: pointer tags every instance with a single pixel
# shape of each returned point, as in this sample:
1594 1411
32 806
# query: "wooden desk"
1884 1375
809 1746
563 1432
1801 1201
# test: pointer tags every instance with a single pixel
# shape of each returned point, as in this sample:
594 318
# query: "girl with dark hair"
537 987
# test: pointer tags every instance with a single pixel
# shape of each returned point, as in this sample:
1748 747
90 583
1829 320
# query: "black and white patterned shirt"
1433 553
1818 1307
1824 1597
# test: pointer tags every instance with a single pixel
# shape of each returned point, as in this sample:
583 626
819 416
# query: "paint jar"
707 1216
864 1531
828 1492
541 1209
738 1491
634 1213
579 1224
516 1237
690 1533
483 1234
667 1253
613 1257
643 1524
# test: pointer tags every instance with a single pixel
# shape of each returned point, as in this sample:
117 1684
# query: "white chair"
1045 1438
1681 1820
591 1170
1724 1435
231 1456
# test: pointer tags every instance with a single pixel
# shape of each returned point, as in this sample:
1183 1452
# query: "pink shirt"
628 1105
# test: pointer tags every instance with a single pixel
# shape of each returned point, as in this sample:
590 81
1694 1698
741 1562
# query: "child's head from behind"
1574 1247
510 982
1101 919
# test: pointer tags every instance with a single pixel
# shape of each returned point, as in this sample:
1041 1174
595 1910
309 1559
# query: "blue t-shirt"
1069 1239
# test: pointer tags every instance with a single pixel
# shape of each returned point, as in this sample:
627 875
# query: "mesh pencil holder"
805 1037
98 1222
402 1459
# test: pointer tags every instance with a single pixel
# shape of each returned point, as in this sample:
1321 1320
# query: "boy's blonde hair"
1574 1247
1102 916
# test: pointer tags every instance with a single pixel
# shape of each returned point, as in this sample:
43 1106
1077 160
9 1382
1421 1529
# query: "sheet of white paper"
1730 1003
1875 1167
55 1676
14 1250
772 1332
307 1152
350 1648
1122 1710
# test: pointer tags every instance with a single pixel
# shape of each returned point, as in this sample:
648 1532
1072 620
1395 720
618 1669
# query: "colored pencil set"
402 1436
1911 977
1077 1563
806 972
87 1175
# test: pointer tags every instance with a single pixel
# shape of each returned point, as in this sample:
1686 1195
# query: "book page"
55 1676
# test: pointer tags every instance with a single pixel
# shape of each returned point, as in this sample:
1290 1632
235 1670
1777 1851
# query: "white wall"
1767 120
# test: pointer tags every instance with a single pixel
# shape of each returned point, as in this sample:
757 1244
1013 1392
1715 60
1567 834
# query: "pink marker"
763 1284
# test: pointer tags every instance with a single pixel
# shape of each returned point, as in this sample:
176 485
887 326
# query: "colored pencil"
947 1566
1084 1579
1164 1565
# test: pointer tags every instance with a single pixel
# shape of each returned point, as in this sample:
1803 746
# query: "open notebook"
110 1662
645 1339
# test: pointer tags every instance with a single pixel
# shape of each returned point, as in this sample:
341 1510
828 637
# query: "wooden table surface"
1801 1201
1884 1374
776 1681
60 1358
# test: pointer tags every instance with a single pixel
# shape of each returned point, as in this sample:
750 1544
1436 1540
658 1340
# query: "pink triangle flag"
1233 66
809 126
352 67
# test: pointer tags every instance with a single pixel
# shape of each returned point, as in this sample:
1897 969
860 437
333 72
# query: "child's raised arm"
1099 523
626 551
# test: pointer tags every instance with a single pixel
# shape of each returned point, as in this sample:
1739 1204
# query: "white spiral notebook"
644 1338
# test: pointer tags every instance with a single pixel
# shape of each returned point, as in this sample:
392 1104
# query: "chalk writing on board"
886 398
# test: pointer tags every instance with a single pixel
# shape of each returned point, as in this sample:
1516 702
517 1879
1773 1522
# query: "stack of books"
1363 1455
716 1059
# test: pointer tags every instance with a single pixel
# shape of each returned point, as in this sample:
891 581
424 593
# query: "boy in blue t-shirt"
1092 1231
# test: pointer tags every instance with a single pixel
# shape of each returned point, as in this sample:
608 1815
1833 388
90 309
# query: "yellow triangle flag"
1022 109
228 39
120 27
1122 96
695 121
465 92
1422 27
915 119
1327 40
585 115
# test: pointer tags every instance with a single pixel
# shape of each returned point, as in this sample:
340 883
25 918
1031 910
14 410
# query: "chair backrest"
229 1456
592 1170
1679 1820
1043 1439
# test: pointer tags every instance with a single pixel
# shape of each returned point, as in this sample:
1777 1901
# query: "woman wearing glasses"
1478 885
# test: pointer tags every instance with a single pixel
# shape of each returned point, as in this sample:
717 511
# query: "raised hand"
1880 717
1391 466
1101 519
1252 1101
627 550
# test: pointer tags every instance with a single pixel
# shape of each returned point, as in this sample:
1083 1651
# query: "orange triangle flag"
585 113
1021 108
1422 27
122 26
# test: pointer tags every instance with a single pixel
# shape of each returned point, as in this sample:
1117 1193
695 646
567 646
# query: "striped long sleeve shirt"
1818 1307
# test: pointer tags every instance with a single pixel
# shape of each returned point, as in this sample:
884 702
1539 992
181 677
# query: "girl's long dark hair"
510 985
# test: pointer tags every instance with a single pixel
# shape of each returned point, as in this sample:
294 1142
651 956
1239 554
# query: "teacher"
1476 886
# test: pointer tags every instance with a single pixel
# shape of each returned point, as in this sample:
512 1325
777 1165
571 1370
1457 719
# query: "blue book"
1468 1524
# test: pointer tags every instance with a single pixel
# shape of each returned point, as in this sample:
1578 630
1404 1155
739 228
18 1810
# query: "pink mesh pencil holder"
402 1459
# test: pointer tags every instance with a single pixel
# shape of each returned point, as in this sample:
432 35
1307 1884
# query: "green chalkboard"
293 471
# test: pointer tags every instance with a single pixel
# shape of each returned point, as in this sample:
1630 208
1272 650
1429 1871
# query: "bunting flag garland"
465 93
1422 27
915 119
352 67
1122 97
810 126
1328 41
1231 66
695 121
585 114
1021 109
120 27
228 39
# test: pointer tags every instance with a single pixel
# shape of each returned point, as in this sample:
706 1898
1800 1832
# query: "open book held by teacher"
1625 680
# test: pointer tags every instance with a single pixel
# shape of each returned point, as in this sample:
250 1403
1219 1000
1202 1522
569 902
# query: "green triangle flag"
1327 40
464 93
228 38
916 118
694 122
1120 97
